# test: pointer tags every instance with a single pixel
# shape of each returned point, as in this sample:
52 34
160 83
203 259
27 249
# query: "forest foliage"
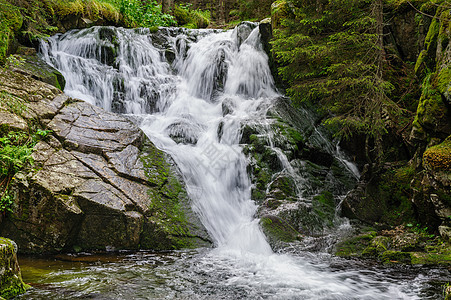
332 54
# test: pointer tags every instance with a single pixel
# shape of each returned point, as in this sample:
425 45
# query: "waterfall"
191 90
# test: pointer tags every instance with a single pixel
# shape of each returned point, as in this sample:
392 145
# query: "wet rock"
291 171
278 231
170 55
11 283
228 106
86 128
243 30
185 131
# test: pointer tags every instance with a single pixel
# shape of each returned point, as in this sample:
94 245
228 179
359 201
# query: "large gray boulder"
97 182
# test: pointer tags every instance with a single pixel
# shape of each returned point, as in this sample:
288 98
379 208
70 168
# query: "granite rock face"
97 182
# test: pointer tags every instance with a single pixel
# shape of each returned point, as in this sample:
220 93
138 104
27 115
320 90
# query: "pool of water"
207 274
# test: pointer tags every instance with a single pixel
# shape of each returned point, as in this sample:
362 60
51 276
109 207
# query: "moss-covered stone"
280 10
432 117
11 283
190 18
278 231
354 246
389 257
34 66
10 22
438 158
378 245
426 60
170 223
424 258
399 245
324 206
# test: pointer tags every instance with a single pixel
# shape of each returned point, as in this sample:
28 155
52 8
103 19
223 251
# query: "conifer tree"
332 54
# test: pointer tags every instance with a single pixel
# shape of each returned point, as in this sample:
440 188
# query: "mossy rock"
10 22
432 113
426 60
278 231
437 162
171 223
38 69
438 158
422 258
11 283
354 246
280 10
324 207
378 245
393 257
181 15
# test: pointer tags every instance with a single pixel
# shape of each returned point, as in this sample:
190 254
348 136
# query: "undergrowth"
188 17
16 148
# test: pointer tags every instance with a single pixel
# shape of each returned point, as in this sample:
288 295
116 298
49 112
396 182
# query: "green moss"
390 257
181 15
407 246
432 112
422 258
438 158
430 108
445 27
11 283
91 9
354 246
394 189
280 10
167 222
277 230
378 245
10 22
443 81
324 206
190 18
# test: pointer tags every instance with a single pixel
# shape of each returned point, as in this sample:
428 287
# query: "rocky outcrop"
33 66
407 245
97 182
11 283
295 172
432 125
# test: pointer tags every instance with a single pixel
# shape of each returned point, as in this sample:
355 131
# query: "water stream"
175 83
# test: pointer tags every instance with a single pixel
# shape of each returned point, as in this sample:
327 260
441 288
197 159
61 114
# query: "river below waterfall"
190 91
207 274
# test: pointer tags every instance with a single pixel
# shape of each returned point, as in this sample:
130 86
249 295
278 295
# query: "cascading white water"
181 107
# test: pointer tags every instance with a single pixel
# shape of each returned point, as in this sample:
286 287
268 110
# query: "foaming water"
192 105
